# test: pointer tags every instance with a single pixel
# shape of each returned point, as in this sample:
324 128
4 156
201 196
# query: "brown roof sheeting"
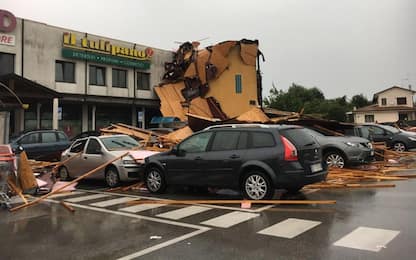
248 53
254 115
170 100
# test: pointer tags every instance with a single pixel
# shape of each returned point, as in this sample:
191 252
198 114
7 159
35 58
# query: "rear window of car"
262 139
62 137
49 137
298 136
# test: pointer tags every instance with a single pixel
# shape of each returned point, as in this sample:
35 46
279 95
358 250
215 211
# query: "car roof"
251 126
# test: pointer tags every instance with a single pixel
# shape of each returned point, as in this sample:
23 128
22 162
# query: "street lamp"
24 106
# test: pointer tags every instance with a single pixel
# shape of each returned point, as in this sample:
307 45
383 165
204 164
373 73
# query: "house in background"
389 105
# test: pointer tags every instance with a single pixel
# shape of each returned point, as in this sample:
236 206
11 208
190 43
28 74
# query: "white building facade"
390 105
75 81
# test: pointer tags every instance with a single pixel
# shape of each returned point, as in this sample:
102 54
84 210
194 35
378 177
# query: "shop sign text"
105 47
6 39
105 59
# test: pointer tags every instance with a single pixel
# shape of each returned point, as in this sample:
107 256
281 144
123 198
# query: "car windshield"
390 129
119 142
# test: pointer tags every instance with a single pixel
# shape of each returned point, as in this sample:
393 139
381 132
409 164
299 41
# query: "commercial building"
73 81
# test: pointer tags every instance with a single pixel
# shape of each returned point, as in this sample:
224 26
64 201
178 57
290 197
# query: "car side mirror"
178 152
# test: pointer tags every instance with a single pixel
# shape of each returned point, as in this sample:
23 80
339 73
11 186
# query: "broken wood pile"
149 140
364 176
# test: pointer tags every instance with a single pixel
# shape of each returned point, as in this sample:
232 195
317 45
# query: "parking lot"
363 224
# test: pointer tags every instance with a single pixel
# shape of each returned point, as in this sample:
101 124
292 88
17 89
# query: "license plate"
317 167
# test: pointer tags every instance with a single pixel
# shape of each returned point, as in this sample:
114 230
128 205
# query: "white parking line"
88 197
141 207
162 245
65 194
230 219
108 203
365 238
200 229
289 228
182 213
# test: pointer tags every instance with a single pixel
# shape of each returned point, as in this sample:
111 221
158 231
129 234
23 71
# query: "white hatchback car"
97 150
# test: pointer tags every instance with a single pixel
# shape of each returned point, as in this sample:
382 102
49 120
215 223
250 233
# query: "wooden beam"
69 183
56 167
71 209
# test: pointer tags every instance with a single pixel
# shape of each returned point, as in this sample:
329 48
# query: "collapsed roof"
186 81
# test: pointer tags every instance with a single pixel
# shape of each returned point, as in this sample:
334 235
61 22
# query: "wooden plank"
71 209
17 190
68 184
55 169
283 202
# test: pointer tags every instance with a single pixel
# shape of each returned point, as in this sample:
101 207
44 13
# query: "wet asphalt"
49 231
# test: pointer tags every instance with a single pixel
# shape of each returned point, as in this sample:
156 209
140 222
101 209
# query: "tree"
359 101
296 98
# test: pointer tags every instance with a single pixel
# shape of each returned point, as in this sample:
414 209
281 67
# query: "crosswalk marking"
88 197
365 238
289 228
108 203
64 194
141 207
230 219
183 212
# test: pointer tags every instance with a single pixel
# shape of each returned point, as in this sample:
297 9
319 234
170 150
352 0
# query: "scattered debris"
155 237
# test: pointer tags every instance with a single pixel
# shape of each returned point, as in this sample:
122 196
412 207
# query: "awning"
25 89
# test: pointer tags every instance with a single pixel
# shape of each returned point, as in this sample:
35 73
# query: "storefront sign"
106 59
105 52
7 39
7 21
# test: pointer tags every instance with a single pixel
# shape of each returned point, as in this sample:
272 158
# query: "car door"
379 134
224 158
184 167
48 149
74 166
92 158
30 144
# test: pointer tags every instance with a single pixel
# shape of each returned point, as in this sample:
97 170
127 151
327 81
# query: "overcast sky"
343 47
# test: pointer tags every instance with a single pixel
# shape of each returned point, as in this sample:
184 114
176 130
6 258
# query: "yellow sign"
101 46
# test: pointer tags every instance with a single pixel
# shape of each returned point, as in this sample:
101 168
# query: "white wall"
43 45
391 96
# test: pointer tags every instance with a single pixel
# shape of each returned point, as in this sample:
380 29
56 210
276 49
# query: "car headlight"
128 160
352 144
412 138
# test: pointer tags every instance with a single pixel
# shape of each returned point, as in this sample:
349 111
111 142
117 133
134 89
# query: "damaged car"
91 152
254 158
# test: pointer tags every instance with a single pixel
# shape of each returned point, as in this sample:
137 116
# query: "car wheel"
63 174
257 186
111 177
335 159
399 147
155 180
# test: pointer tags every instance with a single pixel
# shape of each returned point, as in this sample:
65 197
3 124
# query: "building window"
6 63
401 101
384 101
369 118
143 81
64 71
238 85
97 75
119 78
